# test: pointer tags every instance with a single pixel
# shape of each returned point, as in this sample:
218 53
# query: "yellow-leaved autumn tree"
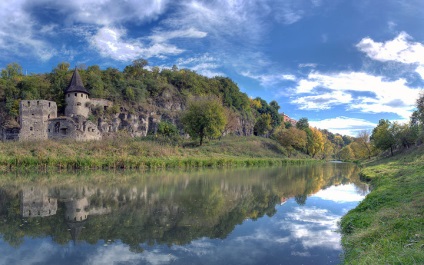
316 142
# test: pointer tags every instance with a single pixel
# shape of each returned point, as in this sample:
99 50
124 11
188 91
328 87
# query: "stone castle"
39 120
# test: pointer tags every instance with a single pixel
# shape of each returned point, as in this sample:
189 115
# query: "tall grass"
133 153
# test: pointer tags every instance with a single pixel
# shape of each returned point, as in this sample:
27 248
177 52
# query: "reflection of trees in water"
169 210
300 199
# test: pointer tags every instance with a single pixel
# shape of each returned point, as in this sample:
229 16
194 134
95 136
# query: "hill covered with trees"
169 103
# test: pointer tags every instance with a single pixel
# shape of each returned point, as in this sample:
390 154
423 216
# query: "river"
278 215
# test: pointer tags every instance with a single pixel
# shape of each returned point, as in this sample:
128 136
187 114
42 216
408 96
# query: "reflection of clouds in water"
118 254
30 254
241 249
313 227
264 236
341 194
300 254
199 247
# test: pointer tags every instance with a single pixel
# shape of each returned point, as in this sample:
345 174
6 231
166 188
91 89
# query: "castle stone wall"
77 103
75 128
101 102
34 118
9 134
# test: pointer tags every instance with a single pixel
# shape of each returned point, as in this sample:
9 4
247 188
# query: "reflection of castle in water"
77 209
36 202
39 202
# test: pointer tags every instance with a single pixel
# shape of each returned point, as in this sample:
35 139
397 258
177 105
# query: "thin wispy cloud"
18 34
269 79
113 42
205 64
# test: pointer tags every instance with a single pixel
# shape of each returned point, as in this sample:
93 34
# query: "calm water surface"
284 215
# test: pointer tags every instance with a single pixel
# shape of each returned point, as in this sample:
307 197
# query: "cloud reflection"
120 254
313 227
340 194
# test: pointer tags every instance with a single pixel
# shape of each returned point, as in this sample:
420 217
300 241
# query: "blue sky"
343 64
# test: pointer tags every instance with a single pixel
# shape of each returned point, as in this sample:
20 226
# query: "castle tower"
76 97
34 118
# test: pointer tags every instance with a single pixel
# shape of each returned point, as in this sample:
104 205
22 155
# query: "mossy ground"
387 227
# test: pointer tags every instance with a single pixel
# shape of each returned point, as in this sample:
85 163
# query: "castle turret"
76 97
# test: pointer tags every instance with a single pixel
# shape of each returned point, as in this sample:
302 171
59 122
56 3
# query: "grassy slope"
387 227
136 153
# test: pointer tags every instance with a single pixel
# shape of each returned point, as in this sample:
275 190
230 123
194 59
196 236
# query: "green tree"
59 80
418 115
12 70
263 125
167 129
274 104
302 124
383 136
204 117
264 108
406 134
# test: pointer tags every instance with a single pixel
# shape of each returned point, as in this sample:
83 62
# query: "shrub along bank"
387 227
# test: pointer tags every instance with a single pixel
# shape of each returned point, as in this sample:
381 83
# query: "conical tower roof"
76 84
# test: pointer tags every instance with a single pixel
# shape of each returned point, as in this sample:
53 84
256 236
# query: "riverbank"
387 227
136 153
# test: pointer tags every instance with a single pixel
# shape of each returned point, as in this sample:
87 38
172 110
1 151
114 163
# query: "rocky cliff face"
166 107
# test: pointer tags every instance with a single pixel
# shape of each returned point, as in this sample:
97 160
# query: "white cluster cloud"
343 125
400 49
357 90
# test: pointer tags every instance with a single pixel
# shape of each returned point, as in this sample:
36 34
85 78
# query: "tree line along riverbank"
387 227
